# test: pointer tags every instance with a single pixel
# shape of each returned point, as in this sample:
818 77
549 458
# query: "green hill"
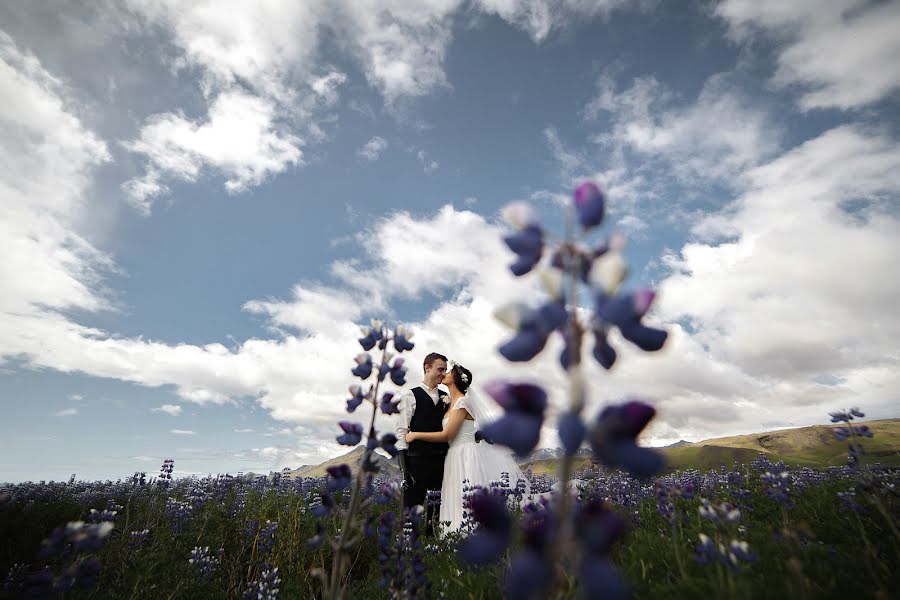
804 446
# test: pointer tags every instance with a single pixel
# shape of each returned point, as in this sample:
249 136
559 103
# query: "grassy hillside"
804 446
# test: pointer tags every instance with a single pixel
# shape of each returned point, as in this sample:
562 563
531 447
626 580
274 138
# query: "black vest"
427 417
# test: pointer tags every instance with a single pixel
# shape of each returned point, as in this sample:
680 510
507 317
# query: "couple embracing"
437 443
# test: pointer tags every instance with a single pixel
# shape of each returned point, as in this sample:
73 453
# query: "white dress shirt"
407 408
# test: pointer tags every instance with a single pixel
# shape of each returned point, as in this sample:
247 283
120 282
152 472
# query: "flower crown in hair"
462 375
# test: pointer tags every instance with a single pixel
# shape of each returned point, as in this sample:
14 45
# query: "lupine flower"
388 405
571 432
266 587
341 477
352 433
77 535
493 533
625 311
371 335
205 563
613 438
590 204
598 529
387 443
528 241
520 427
363 365
402 335
316 540
533 329
267 538
398 372
356 398
138 539
778 488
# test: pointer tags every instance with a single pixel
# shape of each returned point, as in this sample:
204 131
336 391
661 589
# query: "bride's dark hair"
462 377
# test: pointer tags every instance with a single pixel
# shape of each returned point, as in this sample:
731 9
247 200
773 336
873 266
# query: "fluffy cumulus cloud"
790 288
47 160
840 53
266 92
170 409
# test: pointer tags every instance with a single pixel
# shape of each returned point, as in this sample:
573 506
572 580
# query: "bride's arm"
450 430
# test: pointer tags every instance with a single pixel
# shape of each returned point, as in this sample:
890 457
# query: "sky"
201 202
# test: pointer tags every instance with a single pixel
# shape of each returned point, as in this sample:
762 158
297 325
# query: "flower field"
755 531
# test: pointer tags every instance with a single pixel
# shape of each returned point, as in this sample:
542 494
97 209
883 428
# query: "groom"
422 408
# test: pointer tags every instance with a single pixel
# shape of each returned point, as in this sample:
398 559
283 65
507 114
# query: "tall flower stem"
576 405
335 588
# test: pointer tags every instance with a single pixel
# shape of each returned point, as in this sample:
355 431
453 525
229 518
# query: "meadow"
806 534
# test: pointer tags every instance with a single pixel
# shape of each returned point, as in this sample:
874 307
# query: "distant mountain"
813 446
678 444
388 466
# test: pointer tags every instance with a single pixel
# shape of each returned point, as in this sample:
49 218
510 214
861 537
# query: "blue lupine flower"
571 432
520 427
363 366
389 406
533 330
613 438
373 335
590 204
603 352
325 506
267 538
387 443
528 577
492 536
356 398
341 477
528 244
398 372
600 579
402 335
205 563
856 412
352 433
266 587
598 527
625 311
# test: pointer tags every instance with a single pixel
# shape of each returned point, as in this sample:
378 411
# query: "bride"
479 464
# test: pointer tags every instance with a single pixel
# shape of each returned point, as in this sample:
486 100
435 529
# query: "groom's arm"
406 408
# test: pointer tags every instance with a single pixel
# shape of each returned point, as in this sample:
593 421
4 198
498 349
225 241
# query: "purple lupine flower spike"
590 204
352 433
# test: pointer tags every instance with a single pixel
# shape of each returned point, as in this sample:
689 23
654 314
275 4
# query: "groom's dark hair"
433 356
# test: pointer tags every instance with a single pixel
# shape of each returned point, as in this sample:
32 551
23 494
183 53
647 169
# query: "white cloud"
240 138
429 165
841 53
66 412
170 409
539 18
715 138
785 287
75 397
372 149
265 86
182 432
47 159
244 430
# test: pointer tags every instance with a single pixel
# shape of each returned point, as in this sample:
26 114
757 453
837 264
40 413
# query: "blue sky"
198 202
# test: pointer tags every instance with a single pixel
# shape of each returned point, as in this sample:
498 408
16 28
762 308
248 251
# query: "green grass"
816 550
813 447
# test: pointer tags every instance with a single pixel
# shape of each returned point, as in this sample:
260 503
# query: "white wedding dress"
477 463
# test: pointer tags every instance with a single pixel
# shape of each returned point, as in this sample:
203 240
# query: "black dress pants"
423 473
